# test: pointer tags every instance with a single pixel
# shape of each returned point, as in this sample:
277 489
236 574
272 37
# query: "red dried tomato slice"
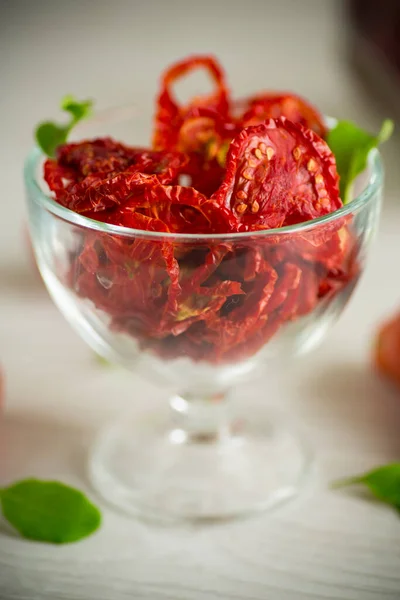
105 156
57 178
278 174
329 246
202 304
254 261
288 280
203 131
96 176
262 107
170 116
101 155
205 136
129 278
267 327
253 343
185 210
227 330
98 193
308 290
199 264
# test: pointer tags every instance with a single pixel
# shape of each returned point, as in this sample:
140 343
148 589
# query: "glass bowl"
203 314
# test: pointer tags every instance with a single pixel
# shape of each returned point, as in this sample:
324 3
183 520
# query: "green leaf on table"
383 482
351 147
50 135
49 511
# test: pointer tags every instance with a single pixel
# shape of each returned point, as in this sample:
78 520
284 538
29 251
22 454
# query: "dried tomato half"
101 155
170 115
58 178
205 136
240 320
198 264
279 173
102 174
185 210
262 107
204 130
106 156
202 305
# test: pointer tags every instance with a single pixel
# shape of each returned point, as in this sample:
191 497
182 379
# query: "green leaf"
351 147
383 482
49 511
78 110
51 135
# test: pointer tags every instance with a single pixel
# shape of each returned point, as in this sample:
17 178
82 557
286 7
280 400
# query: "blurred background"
115 51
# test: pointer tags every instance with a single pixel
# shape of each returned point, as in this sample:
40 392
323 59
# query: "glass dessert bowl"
196 260
236 302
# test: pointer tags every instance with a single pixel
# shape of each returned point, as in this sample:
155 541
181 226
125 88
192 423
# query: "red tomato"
387 349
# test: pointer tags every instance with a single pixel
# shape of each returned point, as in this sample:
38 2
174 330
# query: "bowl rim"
35 156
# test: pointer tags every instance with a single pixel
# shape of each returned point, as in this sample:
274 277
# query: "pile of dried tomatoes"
248 165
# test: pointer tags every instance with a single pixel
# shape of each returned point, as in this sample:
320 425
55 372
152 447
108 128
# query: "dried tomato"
202 129
262 107
199 264
174 288
223 330
288 280
123 190
185 210
56 177
308 290
255 342
101 155
170 116
205 137
279 174
101 174
202 304
266 328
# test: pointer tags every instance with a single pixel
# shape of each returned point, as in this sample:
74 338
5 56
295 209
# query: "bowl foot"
148 469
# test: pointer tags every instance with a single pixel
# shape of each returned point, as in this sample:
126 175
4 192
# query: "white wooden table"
325 545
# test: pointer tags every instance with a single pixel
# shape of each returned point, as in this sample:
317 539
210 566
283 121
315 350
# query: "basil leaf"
49 511
383 482
351 147
78 110
51 135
